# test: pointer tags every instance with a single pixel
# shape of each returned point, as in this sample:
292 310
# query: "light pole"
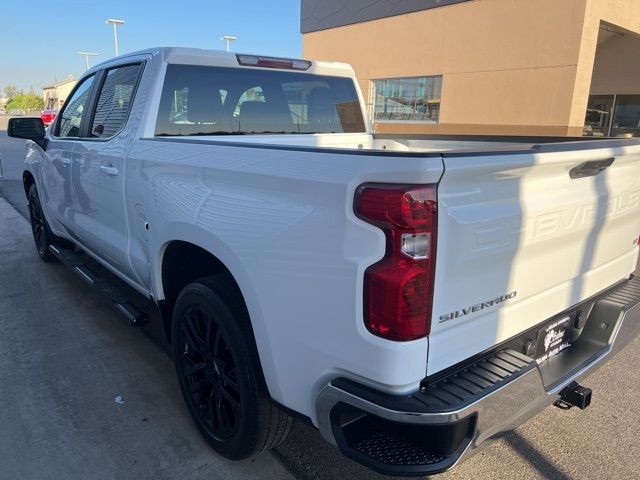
86 57
228 39
115 23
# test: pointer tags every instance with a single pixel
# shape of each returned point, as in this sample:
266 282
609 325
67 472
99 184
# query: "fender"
208 241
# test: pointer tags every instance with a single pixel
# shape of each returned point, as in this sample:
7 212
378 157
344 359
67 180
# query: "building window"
626 116
598 117
51 103
613 116
415 99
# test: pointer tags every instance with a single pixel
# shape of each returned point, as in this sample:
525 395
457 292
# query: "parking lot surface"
83 395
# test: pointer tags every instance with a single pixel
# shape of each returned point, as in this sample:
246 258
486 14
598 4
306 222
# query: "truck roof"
200 56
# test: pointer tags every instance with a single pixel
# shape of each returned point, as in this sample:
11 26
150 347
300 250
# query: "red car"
48 116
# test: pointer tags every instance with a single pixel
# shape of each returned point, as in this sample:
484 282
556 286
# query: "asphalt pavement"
11 167
67 362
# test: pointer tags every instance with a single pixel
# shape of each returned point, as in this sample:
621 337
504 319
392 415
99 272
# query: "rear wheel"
219 372
42 236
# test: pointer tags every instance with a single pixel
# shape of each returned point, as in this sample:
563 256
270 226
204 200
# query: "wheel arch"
182 262
202 262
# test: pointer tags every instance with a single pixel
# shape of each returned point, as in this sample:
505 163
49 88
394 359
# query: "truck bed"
410 145
485 144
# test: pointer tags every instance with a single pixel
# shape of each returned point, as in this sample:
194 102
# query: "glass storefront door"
613 116
598 119
626 116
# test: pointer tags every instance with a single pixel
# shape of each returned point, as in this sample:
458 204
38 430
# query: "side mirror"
29 128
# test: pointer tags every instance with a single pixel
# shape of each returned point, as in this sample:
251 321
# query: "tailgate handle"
590 168
109 170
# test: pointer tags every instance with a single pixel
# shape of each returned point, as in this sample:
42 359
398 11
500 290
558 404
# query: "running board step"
118 300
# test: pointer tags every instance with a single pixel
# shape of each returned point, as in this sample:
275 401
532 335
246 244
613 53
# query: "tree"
28 101
11 105
31 101
11 91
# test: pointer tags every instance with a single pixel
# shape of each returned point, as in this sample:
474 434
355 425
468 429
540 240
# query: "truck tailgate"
524 235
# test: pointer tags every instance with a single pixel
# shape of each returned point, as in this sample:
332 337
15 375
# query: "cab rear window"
200 100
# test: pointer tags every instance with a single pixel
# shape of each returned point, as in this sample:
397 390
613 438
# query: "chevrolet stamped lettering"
550 224
477 307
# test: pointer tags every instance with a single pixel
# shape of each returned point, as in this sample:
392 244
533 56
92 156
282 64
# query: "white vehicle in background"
413 297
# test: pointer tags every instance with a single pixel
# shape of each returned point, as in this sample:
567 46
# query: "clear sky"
39 38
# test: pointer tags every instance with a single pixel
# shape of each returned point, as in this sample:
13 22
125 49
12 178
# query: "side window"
71 116
114 101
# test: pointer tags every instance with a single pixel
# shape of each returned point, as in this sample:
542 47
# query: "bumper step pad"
478 380
420 449
392 449
453 392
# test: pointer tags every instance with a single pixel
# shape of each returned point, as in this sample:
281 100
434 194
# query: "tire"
219 372
42 236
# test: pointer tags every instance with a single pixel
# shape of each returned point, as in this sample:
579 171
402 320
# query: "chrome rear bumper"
453 418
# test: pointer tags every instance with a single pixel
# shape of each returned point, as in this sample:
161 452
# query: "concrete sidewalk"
64 357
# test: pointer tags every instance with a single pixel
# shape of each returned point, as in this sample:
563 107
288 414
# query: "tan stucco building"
487 66
56 94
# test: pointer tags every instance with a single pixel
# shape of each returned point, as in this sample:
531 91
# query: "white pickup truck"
413 297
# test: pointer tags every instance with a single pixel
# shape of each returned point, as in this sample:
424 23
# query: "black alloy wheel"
219 371
209 371
41 234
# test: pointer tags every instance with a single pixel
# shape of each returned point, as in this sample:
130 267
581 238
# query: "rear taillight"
398 290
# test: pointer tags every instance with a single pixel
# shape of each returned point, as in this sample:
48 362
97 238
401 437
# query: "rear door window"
115 100
199 100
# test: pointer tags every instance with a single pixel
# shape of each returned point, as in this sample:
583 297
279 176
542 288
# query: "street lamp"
228 39
115 23
86 57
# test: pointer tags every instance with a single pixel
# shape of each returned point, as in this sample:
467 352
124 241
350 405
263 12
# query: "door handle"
591 168
108 170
